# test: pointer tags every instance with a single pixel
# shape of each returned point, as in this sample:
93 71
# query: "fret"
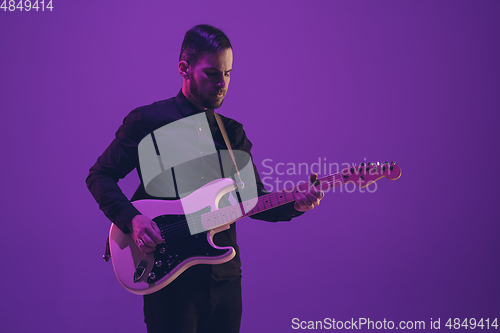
242 209
324 183
260 205
206 221
266 202
289 195
337 180
233 211
273 198
215 220
223 216
281 197
255 209
248 208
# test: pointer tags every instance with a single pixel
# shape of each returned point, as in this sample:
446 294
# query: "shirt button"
199 129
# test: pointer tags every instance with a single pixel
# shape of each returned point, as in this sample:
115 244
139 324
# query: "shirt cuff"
125 217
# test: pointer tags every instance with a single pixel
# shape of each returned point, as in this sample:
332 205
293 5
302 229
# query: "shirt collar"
187 108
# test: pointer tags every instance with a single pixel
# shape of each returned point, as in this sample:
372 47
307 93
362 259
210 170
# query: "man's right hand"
145 233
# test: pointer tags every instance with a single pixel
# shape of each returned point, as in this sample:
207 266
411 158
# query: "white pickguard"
126 255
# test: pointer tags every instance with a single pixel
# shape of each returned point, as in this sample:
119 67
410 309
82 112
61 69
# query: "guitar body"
143 274
188 226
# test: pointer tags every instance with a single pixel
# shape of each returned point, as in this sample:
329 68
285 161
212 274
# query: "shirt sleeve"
118 160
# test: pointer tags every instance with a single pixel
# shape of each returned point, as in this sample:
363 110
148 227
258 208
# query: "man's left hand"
309 198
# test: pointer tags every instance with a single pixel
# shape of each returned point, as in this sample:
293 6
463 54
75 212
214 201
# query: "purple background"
413 81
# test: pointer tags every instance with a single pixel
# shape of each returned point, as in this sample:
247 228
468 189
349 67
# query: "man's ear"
184 69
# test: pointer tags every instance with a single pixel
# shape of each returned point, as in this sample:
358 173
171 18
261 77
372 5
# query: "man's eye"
227 74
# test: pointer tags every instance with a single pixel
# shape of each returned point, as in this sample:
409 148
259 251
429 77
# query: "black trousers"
195 306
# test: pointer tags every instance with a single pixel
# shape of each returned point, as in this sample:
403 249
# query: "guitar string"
178 228
220 214
260 202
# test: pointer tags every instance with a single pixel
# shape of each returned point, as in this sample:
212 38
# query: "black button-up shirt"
122 156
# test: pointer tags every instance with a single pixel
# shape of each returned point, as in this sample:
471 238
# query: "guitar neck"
275 199
362 175
268 201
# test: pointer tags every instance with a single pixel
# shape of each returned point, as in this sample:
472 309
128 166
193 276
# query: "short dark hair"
202 38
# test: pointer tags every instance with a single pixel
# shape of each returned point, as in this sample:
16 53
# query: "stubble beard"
206 103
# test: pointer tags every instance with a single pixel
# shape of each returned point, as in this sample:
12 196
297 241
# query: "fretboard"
268 201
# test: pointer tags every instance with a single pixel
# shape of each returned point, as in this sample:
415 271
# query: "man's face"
209 78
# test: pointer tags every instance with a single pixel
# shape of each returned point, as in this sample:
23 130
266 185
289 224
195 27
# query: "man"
205 298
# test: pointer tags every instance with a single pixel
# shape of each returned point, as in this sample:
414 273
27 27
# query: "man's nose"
221 83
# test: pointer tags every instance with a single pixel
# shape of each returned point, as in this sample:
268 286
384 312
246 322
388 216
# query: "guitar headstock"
367 173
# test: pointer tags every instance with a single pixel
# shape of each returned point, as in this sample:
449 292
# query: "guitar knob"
158 263
163 250
152 275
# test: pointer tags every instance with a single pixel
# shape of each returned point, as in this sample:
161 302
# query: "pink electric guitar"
144 274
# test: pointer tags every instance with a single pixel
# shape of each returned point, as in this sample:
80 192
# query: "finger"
319 194
316 190
313 177
304 204
143 247
147 249
156 234
315 185
299 205
147 240
311 199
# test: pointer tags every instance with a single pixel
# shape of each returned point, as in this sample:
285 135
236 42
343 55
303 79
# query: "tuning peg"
386 162
362 164
378 163
393 162
370 163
